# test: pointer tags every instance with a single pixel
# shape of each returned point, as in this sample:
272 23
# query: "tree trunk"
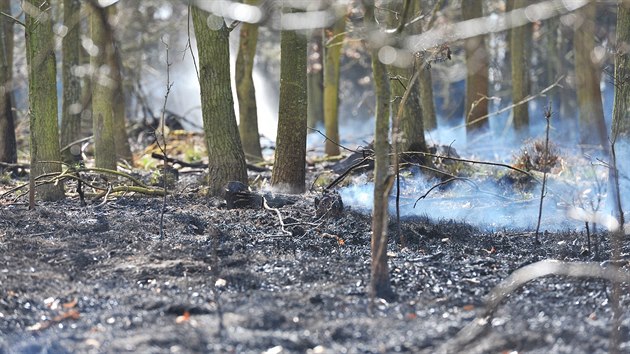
103 86
226 161
289 169
519 58
425 83
121 140
476 105
8 149
315 79
333 43
42 88
72 105
591 119
379 284
621 108
248 115
411 121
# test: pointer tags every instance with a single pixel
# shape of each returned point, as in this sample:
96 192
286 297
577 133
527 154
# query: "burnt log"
328 205
238 196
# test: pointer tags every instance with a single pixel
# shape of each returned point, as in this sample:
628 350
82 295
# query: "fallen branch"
161 157
475 329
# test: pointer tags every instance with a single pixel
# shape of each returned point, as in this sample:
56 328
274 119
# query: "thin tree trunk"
289 168
42 86
379 284
333 44
72 105
315 79
425 83
8 148
121 139
103 86
591 118
519 58
226 161
476 105
248 115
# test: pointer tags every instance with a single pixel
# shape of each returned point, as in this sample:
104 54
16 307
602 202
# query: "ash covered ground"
100 279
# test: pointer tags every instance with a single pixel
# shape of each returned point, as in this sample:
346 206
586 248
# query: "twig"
329 139
162 147
189 44
438 5
504 109
13 18
76 142
544 167
279 216
109 189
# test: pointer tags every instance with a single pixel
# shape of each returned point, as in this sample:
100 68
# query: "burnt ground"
100 279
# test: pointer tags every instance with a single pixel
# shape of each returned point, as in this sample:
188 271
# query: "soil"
101 279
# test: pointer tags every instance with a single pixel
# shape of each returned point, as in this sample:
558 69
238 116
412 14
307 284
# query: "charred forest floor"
100 279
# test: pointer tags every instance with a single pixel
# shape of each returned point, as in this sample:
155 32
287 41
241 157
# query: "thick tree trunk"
621 108
121 140
476 105
226 161
519 58
379 283
315 79
42 85
103 86
72 105
591 119
333 44
8 149
289 169
248 115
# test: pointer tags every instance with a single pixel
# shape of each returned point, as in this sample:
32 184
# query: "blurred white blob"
60 30
600 218
387 55
214 22
105 3
89 46
232 10
306 20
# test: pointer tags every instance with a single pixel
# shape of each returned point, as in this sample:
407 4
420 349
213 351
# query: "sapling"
544 165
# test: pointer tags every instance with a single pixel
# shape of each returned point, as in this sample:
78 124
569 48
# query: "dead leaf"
469 307
491 250
71 304
183 318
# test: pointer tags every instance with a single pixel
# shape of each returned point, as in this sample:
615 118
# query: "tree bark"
121 139
425 83
379 283
248 115
103 86
411 123
621 107
333 44
591 117
315 79
476 105
42 84
71 105
8 148
226 161
519 58
289 168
